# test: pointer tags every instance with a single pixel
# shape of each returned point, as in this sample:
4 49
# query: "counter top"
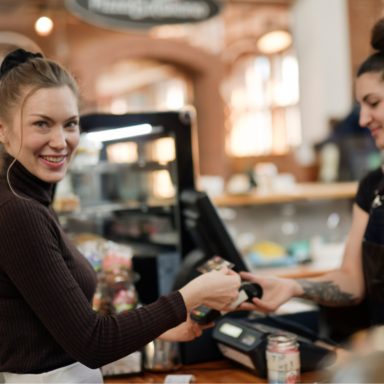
300 191
224 371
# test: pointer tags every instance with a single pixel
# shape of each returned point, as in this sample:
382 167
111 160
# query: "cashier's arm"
338 288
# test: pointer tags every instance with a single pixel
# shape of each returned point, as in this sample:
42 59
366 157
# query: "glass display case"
124 184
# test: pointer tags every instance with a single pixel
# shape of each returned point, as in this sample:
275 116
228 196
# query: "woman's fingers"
197 331
246 275
265 306
259 305
223 270
250 277
247 307
210 325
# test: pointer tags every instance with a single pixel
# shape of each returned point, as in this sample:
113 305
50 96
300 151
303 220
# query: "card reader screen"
231 330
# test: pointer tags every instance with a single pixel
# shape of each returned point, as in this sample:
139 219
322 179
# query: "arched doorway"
10 41
205 70
142 85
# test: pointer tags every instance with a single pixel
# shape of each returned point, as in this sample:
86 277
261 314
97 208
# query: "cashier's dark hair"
21 75
375 63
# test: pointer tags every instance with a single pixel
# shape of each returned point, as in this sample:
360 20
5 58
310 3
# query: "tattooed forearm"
327 293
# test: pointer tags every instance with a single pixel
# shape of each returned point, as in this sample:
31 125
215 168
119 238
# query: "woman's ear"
3 132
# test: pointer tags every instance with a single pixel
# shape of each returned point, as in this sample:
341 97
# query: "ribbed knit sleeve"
31 257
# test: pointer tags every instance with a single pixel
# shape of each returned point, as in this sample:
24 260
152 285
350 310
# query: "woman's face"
370 95
49 136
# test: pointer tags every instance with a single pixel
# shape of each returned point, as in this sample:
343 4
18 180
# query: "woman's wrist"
192 299
297 289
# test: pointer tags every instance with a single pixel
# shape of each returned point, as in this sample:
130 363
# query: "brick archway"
206 71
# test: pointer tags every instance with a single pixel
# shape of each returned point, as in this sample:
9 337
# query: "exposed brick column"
363 14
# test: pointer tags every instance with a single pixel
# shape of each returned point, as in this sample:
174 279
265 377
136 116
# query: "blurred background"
256 100
278 145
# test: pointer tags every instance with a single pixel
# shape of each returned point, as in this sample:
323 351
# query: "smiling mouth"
52 159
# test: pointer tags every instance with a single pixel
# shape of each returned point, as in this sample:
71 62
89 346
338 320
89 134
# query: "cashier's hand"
276 291
216 289
186 331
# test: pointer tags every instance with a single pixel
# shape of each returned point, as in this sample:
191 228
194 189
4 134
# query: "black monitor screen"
208 229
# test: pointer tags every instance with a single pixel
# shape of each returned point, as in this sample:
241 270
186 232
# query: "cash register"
235 336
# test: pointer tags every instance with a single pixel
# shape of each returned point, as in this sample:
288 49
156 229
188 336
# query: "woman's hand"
276 291
186 331
216 289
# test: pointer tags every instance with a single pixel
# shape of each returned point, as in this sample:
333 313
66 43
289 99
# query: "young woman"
48 330
362 272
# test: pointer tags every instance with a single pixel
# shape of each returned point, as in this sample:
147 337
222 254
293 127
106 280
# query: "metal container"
162 356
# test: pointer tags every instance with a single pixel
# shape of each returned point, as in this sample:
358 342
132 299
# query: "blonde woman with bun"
48 330
362 272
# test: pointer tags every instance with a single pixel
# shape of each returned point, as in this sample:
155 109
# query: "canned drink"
283 358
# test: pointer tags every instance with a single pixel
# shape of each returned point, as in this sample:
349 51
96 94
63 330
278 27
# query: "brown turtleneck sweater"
46 290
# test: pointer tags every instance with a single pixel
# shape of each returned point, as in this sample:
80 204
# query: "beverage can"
283 358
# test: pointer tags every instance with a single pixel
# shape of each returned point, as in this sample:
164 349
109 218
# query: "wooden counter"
301 191
224 371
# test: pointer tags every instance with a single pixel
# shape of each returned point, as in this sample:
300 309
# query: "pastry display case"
123 186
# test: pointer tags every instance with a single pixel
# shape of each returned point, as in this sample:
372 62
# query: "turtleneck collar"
23 180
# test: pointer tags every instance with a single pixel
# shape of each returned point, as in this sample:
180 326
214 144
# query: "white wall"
321 37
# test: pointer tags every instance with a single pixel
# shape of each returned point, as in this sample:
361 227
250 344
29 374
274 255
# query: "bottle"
283 358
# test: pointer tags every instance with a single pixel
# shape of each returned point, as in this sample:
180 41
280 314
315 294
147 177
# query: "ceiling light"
43 26
274 42
122 133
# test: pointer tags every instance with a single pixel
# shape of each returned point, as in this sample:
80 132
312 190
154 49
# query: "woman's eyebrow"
42 116
367 96
50 119
73 117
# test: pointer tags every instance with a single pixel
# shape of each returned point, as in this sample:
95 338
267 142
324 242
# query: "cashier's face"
48 135
370 95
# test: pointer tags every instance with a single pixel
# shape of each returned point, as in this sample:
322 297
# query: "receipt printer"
245 343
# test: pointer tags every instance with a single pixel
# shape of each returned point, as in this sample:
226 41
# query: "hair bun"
16 58
377 39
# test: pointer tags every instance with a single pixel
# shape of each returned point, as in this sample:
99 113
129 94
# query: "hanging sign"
144 14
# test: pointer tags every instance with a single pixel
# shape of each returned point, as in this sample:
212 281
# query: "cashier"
48 330
362 272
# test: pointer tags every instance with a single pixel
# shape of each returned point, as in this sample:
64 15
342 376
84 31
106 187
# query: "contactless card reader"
245 343
204 315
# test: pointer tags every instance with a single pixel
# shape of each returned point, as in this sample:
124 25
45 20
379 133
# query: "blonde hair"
21 82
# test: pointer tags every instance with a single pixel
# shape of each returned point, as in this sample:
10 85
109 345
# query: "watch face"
231 330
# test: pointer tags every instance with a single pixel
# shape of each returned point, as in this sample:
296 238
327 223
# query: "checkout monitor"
208 229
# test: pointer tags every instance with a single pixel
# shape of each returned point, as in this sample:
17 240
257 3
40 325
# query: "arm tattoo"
327 293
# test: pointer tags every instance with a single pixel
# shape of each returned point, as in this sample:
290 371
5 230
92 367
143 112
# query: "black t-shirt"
367 189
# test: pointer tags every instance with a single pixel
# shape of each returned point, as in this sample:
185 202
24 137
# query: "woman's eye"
72 124
41 124
374 104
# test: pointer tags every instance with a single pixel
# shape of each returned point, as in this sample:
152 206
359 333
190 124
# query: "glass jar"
283 358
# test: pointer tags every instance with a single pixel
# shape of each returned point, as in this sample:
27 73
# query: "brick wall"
363 14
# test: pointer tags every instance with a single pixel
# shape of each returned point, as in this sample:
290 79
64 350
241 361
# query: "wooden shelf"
301 191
